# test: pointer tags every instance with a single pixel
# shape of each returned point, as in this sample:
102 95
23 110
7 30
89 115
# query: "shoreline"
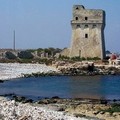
58 108
10 109
10 71
52 108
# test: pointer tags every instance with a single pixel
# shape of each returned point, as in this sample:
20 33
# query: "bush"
62 57
46 61
25 61
94 58
25 55
76 58
10 55
114 108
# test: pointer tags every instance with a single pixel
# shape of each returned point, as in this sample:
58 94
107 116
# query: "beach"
11 110
16 70
48 109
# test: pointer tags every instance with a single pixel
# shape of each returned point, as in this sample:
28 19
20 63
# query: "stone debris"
11 110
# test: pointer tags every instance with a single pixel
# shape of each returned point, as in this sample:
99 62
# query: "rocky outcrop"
11 110
86 68
92 109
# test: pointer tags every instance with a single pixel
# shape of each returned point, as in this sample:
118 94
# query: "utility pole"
14 40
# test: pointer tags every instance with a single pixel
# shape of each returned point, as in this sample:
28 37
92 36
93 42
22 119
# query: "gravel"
11 110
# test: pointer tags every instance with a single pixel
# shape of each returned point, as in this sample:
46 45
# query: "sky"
46 23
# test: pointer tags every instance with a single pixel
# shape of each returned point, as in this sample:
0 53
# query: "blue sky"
46 23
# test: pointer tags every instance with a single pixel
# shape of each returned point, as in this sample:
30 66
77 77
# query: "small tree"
10 55
25 55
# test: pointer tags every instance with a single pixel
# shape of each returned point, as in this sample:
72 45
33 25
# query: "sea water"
105 87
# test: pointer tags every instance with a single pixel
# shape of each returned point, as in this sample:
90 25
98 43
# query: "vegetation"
77 58
61 57
114 108
10 55
25 55
51 51
46 61
94 58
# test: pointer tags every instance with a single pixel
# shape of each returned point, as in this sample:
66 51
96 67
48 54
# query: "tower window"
86 35
86 26
86 18
78 26
76 18
94 26
77 8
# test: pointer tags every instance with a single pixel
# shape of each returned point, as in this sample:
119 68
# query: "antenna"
14 40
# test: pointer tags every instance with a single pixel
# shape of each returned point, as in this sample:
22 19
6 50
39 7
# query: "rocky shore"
15 70
87 68
79 69
19 108
91 109
12 110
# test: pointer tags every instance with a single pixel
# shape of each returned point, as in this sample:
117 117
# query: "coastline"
53 108
57 109
10 71
18 111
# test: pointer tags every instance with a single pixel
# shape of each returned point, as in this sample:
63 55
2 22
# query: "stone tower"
87 33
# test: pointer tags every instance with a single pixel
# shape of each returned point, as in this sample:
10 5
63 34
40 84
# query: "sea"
93 87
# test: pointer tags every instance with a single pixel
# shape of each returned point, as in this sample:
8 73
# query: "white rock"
18 111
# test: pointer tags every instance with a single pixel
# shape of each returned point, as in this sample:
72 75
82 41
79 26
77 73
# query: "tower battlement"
82 15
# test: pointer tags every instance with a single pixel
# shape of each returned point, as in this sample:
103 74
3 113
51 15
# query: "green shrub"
114 108
94 58
25 55
76 58
62 57
10 55
46 61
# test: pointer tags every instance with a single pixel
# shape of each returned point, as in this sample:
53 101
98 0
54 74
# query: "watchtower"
87 33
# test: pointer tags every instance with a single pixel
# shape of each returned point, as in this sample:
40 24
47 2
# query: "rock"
79 115
96 112
23 118
102 112
103 102
1 117
1 81
45 101
11 110
55 97
28 101
61 109
19 98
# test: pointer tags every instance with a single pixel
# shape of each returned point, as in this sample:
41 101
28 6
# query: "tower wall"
87 33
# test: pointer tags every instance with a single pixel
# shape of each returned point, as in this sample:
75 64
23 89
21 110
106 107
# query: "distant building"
87 33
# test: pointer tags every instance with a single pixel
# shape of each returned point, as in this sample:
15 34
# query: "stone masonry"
87 33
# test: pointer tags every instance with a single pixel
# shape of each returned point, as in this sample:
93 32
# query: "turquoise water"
107 87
